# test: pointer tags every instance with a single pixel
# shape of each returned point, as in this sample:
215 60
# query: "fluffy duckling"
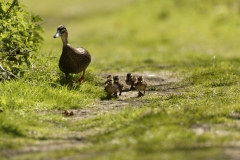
111 88
72 60
109 77
119 84
141 85
130 80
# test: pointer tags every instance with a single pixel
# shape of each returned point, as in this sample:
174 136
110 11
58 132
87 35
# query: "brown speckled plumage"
111 88
141 85
72 60
119 84
130 80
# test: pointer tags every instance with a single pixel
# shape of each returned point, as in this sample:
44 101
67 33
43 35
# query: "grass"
199 118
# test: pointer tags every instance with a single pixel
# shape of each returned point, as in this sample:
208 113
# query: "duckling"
130 80
141 85
111 88
72 60
119 84
109 77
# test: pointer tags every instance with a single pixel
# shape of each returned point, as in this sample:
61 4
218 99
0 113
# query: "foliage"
19 38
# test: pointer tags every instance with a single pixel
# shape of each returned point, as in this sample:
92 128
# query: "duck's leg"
115 94
132 88
120 92
140 94
81 79
68 78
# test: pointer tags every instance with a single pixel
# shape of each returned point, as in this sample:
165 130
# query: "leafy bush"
19 38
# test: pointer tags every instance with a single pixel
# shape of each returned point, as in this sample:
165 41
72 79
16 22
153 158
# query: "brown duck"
130 80
119 84
141 85
111 88
72 60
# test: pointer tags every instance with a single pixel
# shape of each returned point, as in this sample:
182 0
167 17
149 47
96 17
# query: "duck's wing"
82 50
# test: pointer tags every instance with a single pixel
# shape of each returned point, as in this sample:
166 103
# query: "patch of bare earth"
159 84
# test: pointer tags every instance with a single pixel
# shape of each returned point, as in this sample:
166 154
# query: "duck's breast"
74 60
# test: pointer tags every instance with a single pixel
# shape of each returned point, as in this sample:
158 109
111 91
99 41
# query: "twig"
13 51
12 5
8 72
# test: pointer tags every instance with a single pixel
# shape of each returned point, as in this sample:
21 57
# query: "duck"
72 60
141 85
119 84
130 80
111 88
109 77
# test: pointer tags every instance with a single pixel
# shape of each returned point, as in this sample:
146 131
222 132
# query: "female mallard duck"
111 88
119 84
141 85
72 60
130 80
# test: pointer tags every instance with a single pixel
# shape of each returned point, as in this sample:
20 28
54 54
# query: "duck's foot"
115 95
81 79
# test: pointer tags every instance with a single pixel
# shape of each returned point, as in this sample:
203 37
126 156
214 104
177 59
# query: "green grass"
195 41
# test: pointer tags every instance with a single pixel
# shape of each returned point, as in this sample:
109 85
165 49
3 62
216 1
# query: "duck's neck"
64 37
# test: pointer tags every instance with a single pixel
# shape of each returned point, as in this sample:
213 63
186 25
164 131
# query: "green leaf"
36 18
3 8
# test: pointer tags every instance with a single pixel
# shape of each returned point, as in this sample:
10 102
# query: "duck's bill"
56 35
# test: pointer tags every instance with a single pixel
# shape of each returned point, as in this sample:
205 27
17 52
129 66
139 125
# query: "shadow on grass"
12 130
108 97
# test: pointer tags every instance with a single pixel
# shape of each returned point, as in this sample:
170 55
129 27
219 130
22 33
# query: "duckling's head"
140 79
109 76
61 30
129 75
111 82
116 78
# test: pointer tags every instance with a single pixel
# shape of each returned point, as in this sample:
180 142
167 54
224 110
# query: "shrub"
19 38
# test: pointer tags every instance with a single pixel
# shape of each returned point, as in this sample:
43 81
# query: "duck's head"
61 30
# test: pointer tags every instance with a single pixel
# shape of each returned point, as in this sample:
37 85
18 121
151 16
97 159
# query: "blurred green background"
120 31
